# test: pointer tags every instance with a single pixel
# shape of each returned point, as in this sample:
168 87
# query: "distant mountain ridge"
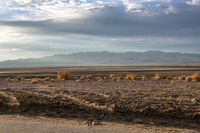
106 58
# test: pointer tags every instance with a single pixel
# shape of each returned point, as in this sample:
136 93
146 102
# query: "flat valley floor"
92 101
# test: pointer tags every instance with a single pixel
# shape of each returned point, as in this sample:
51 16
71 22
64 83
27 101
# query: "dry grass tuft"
130 77
157 77
115 79
195 77
111 76
18 78
188 78
143 77
63 74
35 81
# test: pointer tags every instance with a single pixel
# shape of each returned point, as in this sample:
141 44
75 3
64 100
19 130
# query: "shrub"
157 77
143 77
195 77
34 81
188 78
18 78
115 79
130 77
63 74
111 76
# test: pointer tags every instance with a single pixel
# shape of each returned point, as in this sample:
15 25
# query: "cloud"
113 21
49 9
41 27
193 2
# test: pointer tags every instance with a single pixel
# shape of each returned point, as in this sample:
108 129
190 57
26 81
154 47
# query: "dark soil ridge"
68 105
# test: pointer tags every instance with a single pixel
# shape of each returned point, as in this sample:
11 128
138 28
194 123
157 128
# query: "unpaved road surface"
20 124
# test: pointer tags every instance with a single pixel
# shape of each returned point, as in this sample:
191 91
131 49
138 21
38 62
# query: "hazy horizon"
32 29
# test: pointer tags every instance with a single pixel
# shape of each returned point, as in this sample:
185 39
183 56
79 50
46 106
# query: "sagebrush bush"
195 77
143 77
130 77
63 74
157 77
35 81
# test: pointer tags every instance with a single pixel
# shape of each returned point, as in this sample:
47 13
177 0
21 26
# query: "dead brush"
18 78
63 74
130 77
111 76
157 77
143 77
195 77
35 81
188 78
115 78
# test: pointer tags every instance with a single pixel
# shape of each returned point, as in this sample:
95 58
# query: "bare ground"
160 105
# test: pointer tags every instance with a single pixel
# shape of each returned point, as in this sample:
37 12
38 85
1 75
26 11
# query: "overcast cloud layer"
34 28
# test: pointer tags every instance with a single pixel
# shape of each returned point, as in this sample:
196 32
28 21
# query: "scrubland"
129 97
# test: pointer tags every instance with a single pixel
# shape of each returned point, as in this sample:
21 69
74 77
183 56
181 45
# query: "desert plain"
100 99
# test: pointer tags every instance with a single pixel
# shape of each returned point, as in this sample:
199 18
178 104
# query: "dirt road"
20 124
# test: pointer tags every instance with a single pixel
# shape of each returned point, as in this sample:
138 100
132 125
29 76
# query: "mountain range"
106 58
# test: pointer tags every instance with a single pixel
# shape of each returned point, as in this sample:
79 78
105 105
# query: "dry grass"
18 78
115 78
35 81
143 77
111 76
195 77
130 77
63 74
157 77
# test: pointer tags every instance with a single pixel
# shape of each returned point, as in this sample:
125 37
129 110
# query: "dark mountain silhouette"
107 58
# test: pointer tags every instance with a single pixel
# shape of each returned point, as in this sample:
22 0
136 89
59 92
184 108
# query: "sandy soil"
16 124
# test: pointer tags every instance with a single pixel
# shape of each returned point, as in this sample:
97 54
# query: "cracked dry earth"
148 102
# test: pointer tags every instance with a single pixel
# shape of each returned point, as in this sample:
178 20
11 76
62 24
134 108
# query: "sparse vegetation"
143 77
130 77
35 81
157 77
18 78
115 79
195 77
63 74
111 76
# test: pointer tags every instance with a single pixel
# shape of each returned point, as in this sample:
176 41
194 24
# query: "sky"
36 28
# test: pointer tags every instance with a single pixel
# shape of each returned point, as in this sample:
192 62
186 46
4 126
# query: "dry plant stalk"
63 74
